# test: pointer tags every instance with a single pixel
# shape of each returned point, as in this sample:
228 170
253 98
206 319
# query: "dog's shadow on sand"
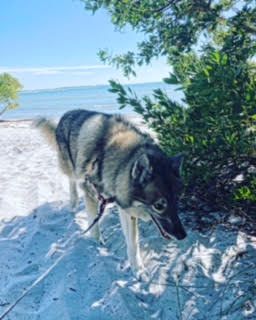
206 276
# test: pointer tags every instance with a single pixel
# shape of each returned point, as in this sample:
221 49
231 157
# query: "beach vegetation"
9 90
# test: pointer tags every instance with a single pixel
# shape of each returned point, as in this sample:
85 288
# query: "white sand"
207 276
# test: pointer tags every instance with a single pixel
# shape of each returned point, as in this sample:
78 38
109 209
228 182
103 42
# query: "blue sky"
54 43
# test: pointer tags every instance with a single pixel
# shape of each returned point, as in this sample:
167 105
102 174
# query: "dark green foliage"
210 46
216 130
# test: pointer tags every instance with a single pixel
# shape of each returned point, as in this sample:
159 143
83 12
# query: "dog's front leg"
130 229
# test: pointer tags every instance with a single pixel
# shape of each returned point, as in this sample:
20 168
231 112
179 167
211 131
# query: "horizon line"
86 85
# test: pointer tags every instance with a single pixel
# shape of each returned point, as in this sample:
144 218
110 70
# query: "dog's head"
156 187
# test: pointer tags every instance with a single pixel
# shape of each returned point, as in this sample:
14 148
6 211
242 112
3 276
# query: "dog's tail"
48 129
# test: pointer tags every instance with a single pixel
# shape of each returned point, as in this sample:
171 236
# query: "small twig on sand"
178 299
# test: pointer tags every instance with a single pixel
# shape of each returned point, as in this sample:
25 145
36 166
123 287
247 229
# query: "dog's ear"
176 164
142 170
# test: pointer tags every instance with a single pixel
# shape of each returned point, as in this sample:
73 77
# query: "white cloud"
39 73
34 78
52 70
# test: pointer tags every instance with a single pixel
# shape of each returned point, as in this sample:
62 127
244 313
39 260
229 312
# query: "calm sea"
54 102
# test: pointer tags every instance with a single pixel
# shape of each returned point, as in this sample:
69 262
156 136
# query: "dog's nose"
181 234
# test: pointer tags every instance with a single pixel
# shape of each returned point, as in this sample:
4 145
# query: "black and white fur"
124 163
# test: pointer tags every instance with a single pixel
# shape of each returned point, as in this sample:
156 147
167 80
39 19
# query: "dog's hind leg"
73 193
66 167
131 232
91 206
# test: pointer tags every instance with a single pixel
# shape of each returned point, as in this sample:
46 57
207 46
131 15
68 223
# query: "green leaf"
171 80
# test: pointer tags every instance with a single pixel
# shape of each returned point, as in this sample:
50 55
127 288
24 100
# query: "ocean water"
55 102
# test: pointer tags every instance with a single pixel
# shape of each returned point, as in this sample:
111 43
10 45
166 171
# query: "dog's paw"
101 240
139 271
141 274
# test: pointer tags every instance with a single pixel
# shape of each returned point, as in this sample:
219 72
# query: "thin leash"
103 202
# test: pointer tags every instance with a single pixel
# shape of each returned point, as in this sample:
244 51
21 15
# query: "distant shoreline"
87 86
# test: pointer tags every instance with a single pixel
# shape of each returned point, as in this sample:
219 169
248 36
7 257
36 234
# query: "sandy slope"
208 276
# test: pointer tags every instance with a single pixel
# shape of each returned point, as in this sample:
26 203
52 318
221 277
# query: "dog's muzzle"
168 229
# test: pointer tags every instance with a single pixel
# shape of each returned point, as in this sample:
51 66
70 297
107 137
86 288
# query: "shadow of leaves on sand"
206 276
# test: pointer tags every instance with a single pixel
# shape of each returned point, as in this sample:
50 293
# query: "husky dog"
123 163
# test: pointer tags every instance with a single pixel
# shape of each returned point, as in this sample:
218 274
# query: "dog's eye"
160 205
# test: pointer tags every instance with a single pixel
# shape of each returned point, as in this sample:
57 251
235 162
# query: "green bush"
215 129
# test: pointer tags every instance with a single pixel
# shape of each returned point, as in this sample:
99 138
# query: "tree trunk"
3 110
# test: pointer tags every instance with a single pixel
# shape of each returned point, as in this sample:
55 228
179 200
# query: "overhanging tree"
210 46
